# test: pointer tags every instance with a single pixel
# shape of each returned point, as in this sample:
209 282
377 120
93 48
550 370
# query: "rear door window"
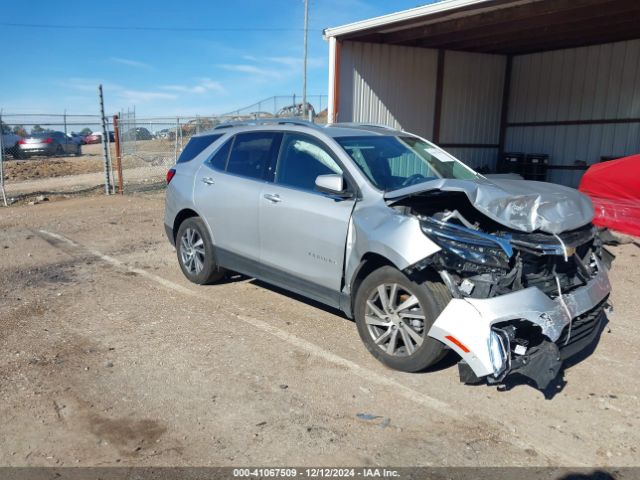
195 146
252 153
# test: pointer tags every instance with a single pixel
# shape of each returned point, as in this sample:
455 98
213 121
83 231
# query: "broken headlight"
469 245
499 351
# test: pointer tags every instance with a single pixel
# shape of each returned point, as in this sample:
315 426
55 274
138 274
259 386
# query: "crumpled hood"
519 204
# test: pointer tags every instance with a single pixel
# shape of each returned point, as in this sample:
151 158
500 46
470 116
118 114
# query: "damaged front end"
523 302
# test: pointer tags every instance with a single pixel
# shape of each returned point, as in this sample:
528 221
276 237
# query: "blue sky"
46 70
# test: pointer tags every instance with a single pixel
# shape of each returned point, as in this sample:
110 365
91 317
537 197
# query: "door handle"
208 180
273 197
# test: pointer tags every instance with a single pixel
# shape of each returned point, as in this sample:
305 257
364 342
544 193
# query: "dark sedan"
48 143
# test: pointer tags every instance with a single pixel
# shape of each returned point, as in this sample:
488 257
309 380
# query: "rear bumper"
37 149
475 324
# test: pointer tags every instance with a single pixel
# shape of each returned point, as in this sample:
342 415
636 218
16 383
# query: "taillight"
47 140
21 141
170 174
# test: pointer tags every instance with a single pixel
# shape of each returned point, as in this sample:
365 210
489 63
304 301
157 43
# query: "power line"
156 29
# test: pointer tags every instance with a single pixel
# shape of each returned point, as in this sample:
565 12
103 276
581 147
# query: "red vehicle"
614 189
93 138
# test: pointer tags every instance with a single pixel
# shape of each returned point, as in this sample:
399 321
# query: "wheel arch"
369 262
182 215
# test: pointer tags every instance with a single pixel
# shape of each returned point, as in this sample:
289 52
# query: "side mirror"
332 184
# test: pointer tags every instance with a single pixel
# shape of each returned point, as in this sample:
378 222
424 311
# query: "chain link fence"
59 154
149 146
283 106
49 154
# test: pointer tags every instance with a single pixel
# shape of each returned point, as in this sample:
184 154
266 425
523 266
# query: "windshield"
391 162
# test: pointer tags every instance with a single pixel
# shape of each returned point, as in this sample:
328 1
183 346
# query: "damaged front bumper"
485 332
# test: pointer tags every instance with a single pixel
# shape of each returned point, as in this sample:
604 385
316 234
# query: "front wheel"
195 253
394 315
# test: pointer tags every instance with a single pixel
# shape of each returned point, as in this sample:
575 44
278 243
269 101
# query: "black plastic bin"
536 166
512 162
608 158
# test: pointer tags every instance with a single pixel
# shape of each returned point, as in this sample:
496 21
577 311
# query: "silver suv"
426 254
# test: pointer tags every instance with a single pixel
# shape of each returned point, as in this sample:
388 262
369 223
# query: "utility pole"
304 62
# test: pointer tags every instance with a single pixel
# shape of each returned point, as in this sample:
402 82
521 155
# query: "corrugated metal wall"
471 105
396 86
588 83
388 84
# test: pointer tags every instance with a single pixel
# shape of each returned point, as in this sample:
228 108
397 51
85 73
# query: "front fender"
390 234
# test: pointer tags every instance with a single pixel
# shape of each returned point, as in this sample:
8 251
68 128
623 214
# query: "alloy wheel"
395 319
192 251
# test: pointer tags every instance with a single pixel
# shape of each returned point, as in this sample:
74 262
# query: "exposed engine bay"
541 295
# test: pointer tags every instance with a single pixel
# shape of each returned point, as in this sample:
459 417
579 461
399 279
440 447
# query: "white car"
424 253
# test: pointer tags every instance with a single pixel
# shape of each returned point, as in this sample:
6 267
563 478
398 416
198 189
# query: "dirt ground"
45 167
108 356
91 161
147 163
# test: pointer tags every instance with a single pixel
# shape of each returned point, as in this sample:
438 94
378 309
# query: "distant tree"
4 127
37 129
20 131
85 131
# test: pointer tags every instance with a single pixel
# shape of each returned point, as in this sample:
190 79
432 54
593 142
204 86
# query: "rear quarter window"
195 146
219 158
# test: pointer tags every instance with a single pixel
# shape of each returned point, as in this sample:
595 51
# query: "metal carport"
483 77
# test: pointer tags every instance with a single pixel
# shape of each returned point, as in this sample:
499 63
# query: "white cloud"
130 95
203 86
131 63
296 62
250 69
143 96
88 84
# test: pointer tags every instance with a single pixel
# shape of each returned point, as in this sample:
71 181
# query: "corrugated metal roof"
500 26
402 16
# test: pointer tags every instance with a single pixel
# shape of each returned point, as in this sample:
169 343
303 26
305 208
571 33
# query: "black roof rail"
362 125
266 121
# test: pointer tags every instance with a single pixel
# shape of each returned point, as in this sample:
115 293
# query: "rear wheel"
59 150
195 253
17 153
394 314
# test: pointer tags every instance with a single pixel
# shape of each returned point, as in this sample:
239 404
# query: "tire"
59 150
430 299
196 253
79 151
17 153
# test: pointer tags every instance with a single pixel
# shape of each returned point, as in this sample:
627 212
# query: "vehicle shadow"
595 475
451 358
237 277
558 384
